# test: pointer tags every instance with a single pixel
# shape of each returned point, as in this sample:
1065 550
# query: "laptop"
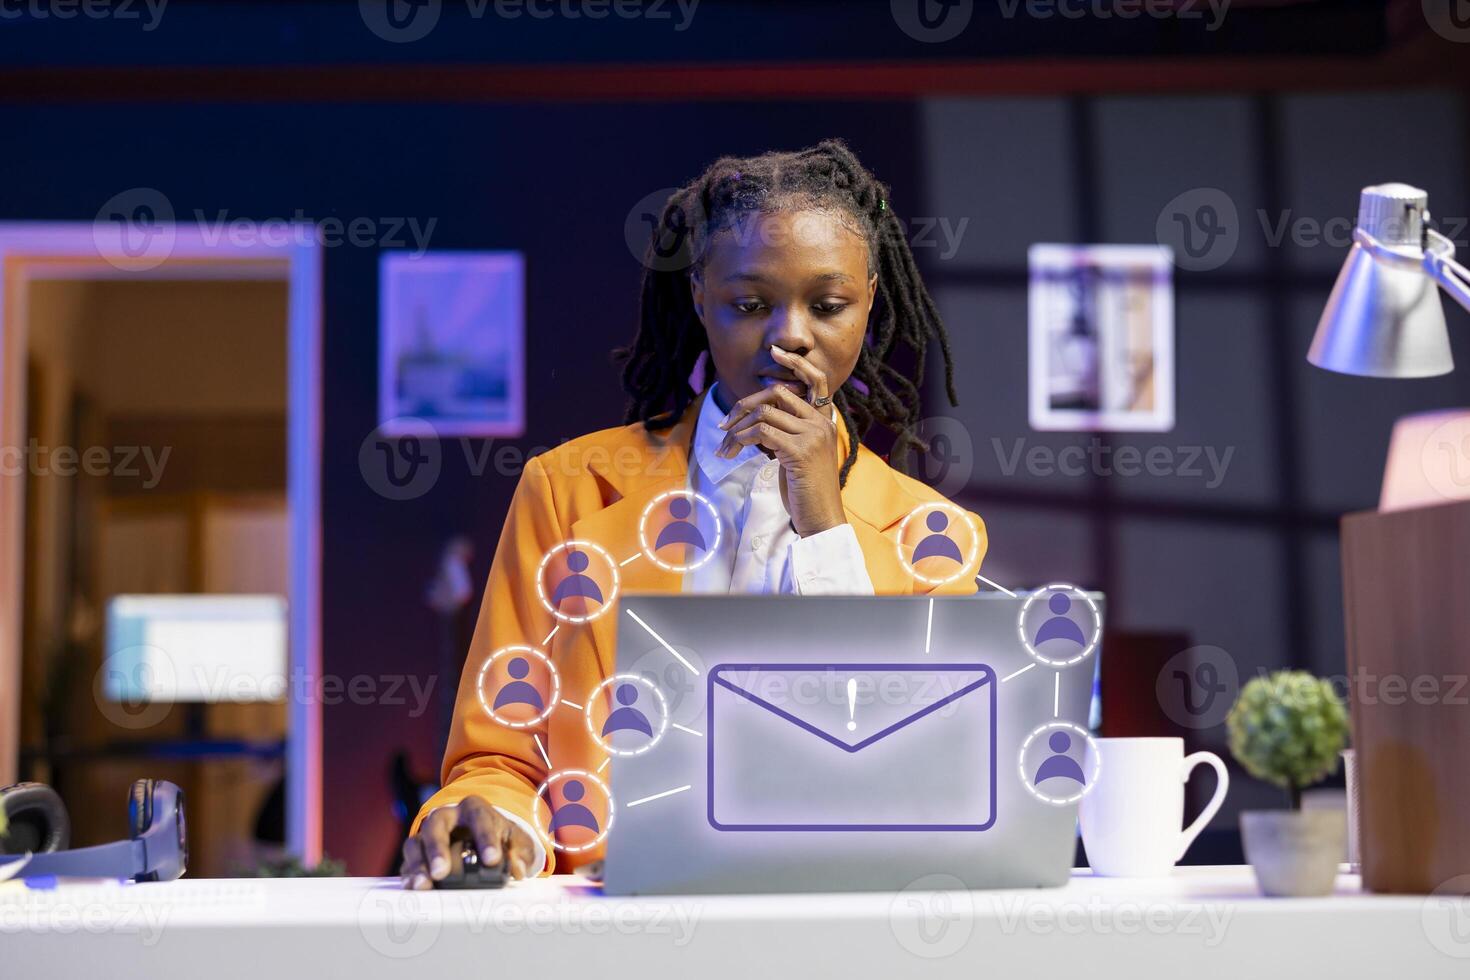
850 743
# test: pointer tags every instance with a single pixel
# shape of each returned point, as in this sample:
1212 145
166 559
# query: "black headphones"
156 849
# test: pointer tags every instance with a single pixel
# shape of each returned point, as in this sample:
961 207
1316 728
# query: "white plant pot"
1295 853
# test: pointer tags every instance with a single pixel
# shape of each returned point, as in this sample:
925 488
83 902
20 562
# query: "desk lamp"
1384 318
1405 565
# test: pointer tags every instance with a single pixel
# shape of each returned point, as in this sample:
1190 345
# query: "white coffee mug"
1132 815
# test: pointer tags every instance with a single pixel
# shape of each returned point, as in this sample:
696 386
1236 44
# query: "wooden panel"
12 514
244 542
244 546
173 454
1406 576
144 553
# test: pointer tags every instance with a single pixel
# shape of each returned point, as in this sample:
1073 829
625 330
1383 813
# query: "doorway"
160 429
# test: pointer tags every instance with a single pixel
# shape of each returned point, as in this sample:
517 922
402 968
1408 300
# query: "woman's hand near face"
801 437
427 857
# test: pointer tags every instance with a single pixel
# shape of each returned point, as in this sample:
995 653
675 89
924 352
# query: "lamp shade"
1383 320
1428 460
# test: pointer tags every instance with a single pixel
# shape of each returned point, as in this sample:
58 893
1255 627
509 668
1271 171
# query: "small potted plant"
1288 729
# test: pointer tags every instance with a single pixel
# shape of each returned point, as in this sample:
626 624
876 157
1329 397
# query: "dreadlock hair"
826 177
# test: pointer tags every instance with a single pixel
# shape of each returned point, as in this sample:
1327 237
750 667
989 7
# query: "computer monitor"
196 648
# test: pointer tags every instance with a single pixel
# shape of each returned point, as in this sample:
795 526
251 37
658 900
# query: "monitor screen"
195 648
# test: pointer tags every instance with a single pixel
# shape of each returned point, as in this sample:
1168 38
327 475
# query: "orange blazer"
595 488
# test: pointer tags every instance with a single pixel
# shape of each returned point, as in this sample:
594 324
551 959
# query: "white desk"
1200 922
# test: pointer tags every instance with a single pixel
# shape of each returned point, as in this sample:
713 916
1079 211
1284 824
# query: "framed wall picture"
1101 338
451 343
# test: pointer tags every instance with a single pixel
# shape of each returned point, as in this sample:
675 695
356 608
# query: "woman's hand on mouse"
802 437
427 855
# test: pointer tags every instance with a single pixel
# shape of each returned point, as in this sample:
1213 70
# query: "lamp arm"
1439 262
1437 258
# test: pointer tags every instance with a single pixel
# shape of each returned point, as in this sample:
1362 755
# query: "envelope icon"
851 747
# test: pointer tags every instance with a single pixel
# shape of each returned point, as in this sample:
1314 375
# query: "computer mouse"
465 867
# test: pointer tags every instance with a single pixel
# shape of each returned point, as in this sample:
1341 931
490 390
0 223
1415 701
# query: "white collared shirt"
759 550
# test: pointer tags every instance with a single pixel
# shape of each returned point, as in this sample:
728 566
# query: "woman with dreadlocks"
775 294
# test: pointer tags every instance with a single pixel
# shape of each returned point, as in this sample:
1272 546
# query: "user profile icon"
627 715
939 543
577 581
1059 763
680 530
1059 625
573 809
518 686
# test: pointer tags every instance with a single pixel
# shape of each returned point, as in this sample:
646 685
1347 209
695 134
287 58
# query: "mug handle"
1211 808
